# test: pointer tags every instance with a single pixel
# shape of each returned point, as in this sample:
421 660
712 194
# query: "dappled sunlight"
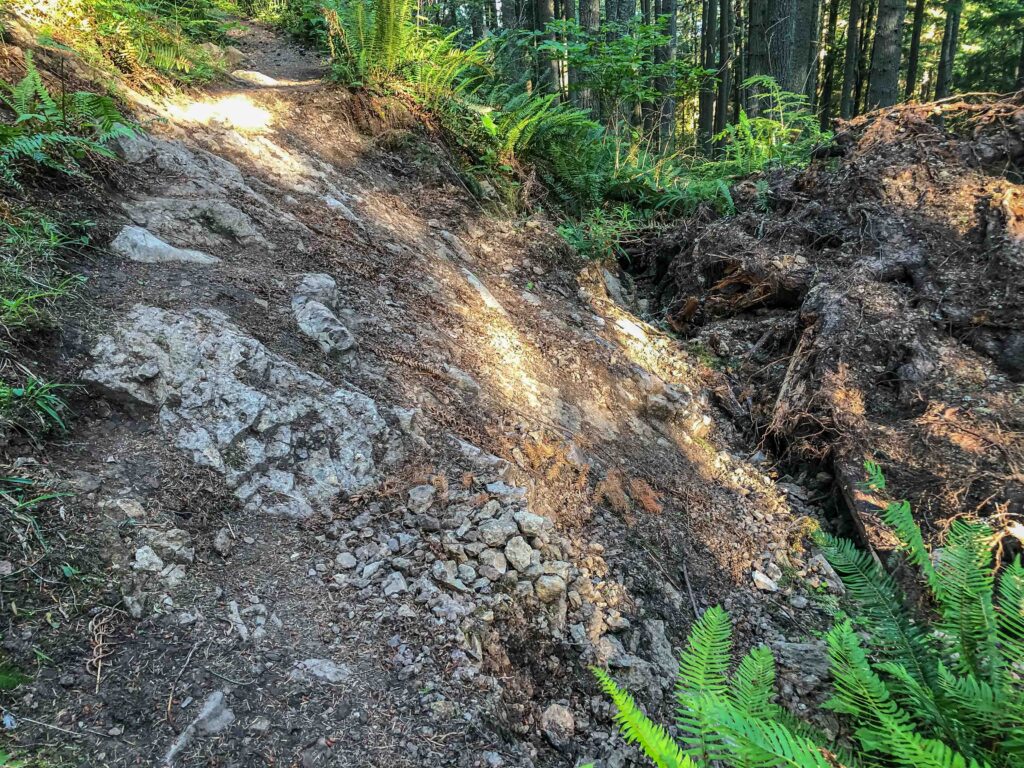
237 112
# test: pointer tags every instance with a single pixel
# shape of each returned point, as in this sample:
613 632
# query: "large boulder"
286 440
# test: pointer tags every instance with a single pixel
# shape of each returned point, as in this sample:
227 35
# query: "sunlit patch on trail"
237 112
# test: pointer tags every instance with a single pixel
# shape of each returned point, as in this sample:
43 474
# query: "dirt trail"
370 475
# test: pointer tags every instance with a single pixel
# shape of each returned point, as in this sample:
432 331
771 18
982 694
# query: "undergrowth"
59 132
150 42
934 684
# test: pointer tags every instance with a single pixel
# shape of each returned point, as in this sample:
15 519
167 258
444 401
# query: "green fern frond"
968 620
898 516
895 637
753 685
637 728
757 743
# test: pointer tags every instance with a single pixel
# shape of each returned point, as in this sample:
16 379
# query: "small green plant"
33 405
784 133
601 235
55 132
940 686
150 41
31 279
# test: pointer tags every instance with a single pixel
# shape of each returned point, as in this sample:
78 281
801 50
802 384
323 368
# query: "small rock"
223 542
558 724
492 558
139 244
494 533
763 583
322 669
549 588
421 497
147 560
395 584
518 553
346 561
531 524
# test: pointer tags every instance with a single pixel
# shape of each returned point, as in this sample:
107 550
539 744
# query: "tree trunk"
665 55
548 70
950 42
1020 66
725 57
817 24
915 50
883 90
831 52
476 19
590 21
781 33
852 61
706 98
804 17
864 65
757 47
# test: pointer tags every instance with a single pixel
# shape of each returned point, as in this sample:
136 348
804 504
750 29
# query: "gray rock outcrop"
286 440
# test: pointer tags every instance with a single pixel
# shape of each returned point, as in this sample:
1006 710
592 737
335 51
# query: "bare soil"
872 307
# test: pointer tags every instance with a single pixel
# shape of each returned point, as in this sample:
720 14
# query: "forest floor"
873 305
363 474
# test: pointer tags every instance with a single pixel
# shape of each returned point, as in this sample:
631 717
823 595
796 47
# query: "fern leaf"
895 637
637 728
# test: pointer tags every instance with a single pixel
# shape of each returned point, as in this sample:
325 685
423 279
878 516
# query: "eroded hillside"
362 473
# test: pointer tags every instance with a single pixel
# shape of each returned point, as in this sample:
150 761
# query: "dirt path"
370 475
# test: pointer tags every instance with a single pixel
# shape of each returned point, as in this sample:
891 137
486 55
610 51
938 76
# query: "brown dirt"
872 306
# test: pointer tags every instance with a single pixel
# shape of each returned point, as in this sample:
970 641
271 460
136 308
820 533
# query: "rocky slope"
365 474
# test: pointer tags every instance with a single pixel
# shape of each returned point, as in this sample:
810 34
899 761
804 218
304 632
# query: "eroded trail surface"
372 475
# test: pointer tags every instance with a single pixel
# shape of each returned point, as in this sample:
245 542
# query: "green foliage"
137 38
57 132
784 133
943 688
32 405
601 235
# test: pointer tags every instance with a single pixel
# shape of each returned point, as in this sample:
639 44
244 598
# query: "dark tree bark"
831 53
706 97
817 24
781 33
590 21
864 66
739 55
915 50
665 55
725 57
950 43
757 50
804 22
852 61
548 70
1020 65
477 24
883 90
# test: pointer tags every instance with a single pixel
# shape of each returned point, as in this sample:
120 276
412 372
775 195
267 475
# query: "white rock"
287 441
531 524
147 560
395 584
763 583
518 553
421 497
492 558
558 724
494 533
139 244
322 669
